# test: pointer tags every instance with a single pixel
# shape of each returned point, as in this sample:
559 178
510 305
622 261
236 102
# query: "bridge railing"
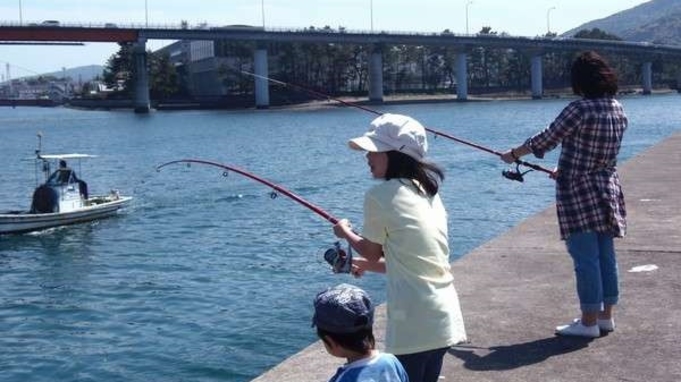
177 31
205 26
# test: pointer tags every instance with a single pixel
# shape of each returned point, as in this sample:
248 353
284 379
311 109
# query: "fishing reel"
338 258
516 174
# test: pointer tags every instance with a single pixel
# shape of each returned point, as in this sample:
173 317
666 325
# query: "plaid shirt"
588 192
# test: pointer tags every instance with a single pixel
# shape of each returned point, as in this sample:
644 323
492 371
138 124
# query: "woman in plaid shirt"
589 197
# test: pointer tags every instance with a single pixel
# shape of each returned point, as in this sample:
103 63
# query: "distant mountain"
657 21
79 74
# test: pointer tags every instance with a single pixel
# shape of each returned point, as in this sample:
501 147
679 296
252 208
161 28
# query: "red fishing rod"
509 174
339 259
266 182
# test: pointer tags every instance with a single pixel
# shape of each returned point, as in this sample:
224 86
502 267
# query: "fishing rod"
276 187
339 259
516 174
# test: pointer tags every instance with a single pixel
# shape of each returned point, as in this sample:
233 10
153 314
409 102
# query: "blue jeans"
424 366
596 270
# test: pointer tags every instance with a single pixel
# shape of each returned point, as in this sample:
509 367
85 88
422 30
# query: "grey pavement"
517 287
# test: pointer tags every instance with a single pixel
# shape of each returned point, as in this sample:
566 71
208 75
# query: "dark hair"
592 77
401 165
361 341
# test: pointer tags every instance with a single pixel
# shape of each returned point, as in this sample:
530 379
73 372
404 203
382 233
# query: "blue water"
206 277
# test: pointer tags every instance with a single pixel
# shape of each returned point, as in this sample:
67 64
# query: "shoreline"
403 99
341 101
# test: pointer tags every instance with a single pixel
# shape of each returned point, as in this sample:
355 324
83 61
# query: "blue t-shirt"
382 367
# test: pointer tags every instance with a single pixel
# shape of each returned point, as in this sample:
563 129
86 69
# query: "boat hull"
98 207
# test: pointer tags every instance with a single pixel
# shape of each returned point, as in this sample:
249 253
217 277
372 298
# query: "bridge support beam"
376 75
262 90
462 76
262 87
141 103
536 77
647 75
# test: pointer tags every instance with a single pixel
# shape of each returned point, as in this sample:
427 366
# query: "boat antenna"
44 164
40 144
327 216
516 174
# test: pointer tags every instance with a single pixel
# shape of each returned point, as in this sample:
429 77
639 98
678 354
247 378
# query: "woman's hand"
514 154
509 156
342 228
356 271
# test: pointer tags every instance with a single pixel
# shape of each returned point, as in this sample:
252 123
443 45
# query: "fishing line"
316 209
516 174
339 258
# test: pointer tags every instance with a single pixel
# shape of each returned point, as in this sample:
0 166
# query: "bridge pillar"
376 75
647 76
462 76
141 102
262 90
536 77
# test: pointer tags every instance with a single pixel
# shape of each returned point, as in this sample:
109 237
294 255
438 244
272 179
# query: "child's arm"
372 252
361 265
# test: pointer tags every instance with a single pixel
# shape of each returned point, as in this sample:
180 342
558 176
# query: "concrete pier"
516 288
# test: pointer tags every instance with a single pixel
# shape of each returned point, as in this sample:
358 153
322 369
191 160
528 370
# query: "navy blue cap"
344 308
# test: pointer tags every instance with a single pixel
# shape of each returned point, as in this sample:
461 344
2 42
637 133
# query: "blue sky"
516 17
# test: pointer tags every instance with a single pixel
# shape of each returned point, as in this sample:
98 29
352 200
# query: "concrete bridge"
537 46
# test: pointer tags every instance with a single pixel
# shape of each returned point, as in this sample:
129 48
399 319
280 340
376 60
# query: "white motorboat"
62 199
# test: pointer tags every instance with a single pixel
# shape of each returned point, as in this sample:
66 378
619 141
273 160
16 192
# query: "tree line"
342 69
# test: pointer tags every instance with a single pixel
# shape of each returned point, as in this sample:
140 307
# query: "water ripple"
207 278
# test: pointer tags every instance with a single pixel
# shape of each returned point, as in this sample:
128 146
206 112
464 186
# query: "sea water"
207 275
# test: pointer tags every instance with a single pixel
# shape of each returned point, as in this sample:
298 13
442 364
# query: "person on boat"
344 317
65 175
405 236
589 198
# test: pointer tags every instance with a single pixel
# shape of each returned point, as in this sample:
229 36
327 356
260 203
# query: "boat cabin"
62 190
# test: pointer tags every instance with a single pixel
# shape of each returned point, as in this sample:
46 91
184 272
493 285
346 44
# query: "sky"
515 17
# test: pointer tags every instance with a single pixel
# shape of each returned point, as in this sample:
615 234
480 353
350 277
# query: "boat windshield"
62 176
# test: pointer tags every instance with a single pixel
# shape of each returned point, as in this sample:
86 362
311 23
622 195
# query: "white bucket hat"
393 132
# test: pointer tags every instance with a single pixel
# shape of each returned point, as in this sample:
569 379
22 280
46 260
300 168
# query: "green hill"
79 74
657 21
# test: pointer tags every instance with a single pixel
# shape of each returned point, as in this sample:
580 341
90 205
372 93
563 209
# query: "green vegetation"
342 69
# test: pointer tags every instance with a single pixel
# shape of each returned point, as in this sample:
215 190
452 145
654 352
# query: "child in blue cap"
344 317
